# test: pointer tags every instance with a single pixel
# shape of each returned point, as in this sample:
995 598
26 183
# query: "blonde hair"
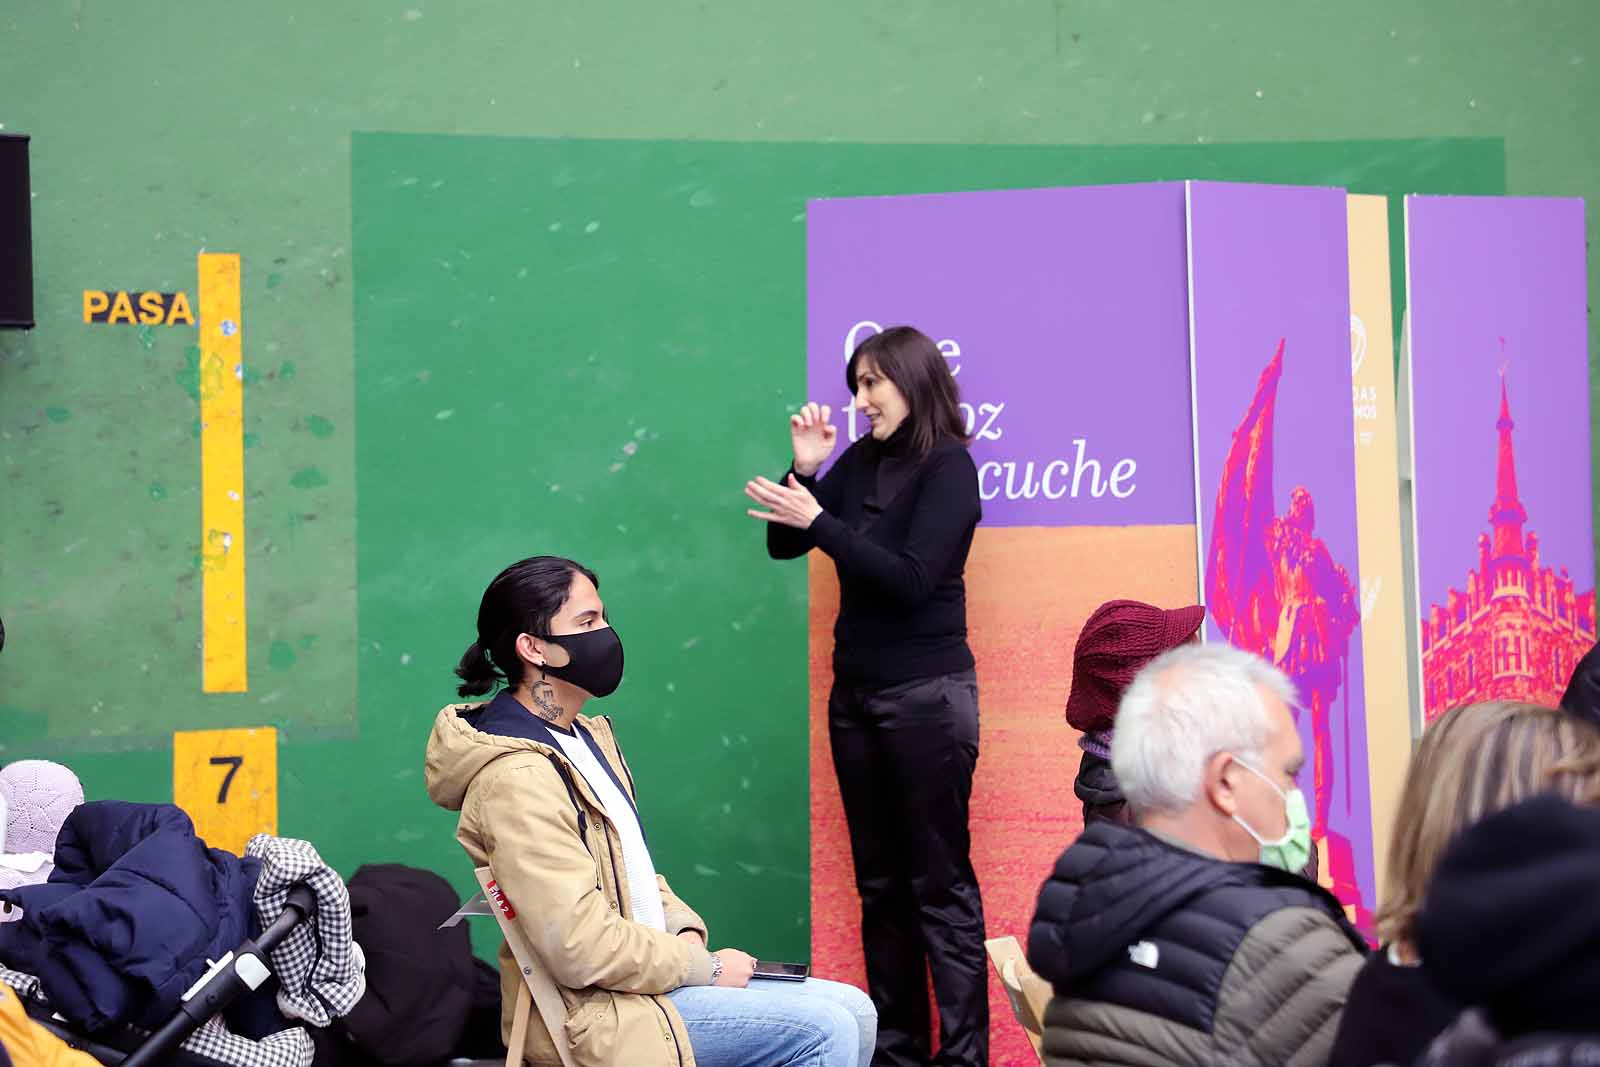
1473 761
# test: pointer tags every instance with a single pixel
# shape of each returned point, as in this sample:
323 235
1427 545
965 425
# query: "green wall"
387 173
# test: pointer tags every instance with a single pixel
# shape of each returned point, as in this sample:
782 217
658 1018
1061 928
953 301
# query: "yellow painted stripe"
222 475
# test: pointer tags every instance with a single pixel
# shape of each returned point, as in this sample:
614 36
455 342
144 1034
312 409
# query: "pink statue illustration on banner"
1516 626
1274 589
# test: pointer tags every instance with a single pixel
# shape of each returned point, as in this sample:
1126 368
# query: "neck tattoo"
545 704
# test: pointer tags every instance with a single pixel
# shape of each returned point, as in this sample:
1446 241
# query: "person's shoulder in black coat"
1393 1014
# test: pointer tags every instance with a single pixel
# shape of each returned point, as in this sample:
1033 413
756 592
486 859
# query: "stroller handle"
224 983
301 902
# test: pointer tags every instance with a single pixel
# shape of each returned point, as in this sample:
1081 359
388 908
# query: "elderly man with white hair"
1186 939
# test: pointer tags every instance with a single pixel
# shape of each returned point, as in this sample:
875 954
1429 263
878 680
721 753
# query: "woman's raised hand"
814 437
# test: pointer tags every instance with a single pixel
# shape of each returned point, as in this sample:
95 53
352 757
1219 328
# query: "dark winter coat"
135 907
1520 885
1161 955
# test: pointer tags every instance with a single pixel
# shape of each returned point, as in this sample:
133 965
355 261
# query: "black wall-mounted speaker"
16 234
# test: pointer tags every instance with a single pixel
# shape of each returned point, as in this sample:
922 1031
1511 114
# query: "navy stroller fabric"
136 906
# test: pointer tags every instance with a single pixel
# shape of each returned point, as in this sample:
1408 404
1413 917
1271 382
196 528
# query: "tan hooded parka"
528 815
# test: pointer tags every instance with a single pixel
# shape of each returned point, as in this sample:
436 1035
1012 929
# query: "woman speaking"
896 513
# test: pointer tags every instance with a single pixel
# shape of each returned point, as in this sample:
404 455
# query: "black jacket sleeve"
946 510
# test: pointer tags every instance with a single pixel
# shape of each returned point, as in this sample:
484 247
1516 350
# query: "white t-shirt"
644 895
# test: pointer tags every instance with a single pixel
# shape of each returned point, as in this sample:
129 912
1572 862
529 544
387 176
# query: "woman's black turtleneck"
898 529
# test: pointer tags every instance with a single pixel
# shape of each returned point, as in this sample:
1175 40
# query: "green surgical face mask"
1292 851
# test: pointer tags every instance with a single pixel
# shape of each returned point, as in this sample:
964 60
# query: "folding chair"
1027 992
537 989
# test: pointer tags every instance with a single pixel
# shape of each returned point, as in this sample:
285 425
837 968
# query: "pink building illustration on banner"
1516 626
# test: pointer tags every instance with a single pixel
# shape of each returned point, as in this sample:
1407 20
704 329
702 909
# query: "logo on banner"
1365 397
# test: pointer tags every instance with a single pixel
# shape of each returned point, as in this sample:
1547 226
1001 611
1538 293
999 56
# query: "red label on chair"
501 901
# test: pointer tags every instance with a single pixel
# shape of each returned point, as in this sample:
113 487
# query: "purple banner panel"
1500 444
1275 489
1063 315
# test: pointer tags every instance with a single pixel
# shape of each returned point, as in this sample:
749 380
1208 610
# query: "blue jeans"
815 1023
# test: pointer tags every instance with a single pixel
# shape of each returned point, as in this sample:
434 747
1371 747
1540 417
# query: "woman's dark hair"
909 358
522 599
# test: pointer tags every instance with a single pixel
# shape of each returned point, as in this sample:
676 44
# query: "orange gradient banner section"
1029 590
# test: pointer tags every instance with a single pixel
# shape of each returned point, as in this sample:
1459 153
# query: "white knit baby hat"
39 795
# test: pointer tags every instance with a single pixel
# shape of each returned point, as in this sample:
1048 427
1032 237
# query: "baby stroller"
242 970
174 903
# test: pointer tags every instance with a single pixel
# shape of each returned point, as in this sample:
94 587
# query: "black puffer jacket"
1162 955
1096 785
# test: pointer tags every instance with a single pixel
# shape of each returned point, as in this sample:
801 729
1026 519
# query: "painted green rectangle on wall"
585 348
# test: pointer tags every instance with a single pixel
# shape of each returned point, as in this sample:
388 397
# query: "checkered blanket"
286 1048
321 971
23 985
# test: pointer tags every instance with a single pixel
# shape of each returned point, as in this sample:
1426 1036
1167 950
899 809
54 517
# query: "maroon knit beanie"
1114 645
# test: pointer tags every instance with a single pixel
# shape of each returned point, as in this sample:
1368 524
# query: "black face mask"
596 665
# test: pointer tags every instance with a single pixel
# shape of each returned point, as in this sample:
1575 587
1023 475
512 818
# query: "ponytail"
476 671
